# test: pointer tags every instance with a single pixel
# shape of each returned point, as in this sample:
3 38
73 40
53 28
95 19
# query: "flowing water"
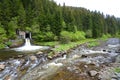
73 66
17 61
28 47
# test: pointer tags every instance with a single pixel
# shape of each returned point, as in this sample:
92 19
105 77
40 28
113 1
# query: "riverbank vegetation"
48 22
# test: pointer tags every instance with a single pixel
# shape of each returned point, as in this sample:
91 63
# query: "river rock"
93 73
20 56
33 58
117 60
2 67
84 56
50 57
38 53
76 56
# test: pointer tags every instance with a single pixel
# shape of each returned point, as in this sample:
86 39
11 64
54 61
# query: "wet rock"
16 43
7 77
22 61
33 58
38 53
113 41
93 73
85 66
115 64
118 51
76 56
104 50
20 56
50 57
106 74
114 79
84 56
117 59
114 76
2 67
118 75
109 51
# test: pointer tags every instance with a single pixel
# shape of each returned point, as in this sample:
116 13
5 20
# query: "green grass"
62 47
53 43
57 47
93 44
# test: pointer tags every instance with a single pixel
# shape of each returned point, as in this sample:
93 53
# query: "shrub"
106 36
2 45
46 36
79 35
49 36
65 37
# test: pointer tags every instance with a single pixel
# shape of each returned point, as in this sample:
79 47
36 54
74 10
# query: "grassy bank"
63 47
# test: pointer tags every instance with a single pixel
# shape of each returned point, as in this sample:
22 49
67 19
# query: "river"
79 64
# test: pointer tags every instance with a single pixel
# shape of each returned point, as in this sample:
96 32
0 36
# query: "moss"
117 70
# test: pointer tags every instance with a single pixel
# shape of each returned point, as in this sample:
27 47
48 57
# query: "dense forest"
48 21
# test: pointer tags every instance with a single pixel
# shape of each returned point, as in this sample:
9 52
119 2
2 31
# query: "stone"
20 56
93 73
104 50
117 60
33 58
75 56
85 66
2 67
22 61
118 75
113 79
50 57
38 53
84 56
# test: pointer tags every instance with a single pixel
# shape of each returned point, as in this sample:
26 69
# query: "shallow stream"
73 66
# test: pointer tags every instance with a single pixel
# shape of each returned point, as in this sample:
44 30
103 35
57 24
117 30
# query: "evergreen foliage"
48 21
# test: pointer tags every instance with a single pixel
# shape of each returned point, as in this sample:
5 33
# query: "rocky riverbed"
82 63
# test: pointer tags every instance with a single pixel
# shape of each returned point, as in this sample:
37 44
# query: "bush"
106 36
79 35
2 45
47 36
65 37
3 37
9 43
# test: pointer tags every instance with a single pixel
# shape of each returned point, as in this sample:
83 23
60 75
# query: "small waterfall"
28 47
27 42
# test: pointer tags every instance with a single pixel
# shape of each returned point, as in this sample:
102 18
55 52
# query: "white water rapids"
28 47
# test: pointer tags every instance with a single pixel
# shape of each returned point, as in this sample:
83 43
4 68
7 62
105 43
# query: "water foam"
29 47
